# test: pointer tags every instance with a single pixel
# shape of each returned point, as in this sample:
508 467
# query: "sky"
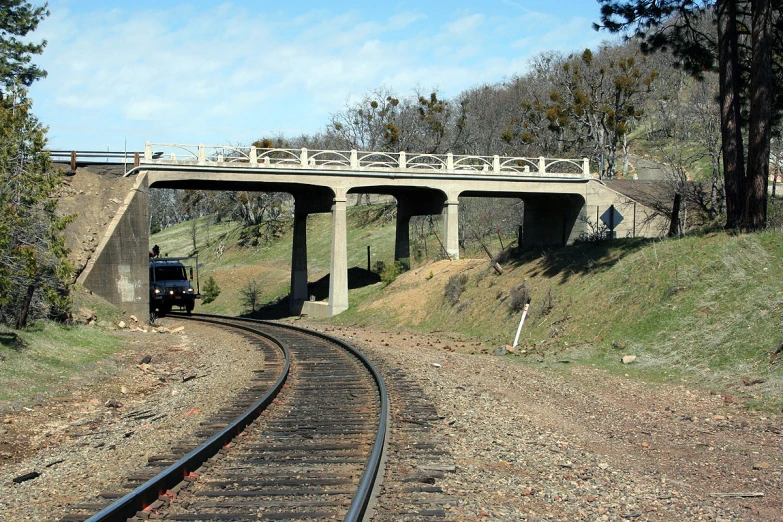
124 73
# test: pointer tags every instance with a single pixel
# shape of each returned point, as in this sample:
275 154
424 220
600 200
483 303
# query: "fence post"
73 160
586 167
354 159
541 165
495 163
403 160
449 161
303 157
202 155
136 160
148 151
253 155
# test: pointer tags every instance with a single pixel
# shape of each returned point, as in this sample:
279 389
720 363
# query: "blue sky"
229 73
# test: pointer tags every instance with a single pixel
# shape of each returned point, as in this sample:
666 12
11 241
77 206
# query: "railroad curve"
305 443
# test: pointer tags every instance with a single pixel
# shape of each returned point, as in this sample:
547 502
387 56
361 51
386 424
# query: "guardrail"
178 154
94 157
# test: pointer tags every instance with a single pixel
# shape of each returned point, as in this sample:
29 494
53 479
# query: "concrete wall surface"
119 269
638 220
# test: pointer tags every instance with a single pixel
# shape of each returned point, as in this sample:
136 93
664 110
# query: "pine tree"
34 271
17 20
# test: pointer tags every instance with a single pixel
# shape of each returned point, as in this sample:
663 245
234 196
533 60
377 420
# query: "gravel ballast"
528 443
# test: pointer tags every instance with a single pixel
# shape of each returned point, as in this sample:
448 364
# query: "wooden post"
136 160
73 160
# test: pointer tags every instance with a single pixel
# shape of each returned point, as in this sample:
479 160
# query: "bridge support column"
451 228
338 276
402 239
298 293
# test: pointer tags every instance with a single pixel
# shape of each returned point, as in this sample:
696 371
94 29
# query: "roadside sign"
611 217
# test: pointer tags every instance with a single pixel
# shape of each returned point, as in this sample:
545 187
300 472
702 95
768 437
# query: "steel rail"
136 500
362 498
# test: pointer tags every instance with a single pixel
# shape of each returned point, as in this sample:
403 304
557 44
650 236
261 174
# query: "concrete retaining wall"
119 269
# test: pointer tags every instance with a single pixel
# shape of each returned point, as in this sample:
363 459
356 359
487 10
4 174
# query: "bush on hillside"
518 297
250 295
455 286
211 291
390 272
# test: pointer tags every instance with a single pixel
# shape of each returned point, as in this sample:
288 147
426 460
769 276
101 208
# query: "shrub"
455 286
390 272
250 295
518 297
211 291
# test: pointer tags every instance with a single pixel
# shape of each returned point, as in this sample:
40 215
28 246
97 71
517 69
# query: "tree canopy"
34 271
742 50
17 20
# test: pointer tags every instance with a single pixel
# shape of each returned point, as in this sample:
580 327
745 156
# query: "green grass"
37 359
704 309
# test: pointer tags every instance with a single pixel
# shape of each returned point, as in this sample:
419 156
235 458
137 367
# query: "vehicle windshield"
169 273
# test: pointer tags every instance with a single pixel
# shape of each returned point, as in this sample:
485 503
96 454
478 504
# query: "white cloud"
234 73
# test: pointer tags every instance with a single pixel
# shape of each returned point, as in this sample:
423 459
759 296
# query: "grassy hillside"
704 308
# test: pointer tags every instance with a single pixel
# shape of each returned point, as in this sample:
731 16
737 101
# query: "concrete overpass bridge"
561 198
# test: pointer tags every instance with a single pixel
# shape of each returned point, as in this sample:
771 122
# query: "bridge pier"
451 228
338 274
402 238
299 264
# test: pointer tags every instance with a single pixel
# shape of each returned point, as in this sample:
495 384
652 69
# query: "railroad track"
306 442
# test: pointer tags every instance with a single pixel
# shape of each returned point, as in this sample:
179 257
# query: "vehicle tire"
164 309
189 307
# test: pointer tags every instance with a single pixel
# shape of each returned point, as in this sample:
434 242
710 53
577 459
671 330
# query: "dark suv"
170 286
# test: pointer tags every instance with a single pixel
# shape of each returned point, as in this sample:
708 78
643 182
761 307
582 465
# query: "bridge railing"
158 153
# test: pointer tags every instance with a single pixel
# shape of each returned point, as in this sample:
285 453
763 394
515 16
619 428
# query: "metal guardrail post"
148 151
403 160
202 155
586 167
450 162
541 165
253 155
354 159
495 163
303 157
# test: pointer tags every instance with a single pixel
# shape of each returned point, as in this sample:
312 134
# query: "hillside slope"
703 308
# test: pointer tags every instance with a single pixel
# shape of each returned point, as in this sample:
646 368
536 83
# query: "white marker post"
521 322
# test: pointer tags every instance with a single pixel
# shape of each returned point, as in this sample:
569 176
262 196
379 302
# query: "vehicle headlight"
157 291
190 290
171 292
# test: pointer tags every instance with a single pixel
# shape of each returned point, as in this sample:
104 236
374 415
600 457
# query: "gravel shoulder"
529 444
532 444
90 435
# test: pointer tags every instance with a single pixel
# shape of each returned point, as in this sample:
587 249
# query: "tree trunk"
759 130
21 320
674 224
731 132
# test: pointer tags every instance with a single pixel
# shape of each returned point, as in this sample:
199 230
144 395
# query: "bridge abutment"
552 220
119 269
